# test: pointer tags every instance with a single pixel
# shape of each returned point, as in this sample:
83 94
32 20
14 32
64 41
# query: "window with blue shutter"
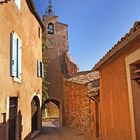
14 44
15 61
17 3
38 68
19 59
42 70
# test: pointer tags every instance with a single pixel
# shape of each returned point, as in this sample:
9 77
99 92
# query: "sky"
95 26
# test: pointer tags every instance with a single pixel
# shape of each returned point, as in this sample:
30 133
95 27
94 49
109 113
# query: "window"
17 3
40 69
50 28
15 61
39 32
135 72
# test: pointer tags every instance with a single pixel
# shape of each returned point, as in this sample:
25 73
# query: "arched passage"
51 112
35 114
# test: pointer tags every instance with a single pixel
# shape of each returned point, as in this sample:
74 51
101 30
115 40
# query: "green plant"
44 82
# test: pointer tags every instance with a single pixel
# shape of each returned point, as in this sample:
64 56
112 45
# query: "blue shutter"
18 3
19 50
13 60
42 70
38 68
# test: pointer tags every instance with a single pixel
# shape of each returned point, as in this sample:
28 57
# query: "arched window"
50 28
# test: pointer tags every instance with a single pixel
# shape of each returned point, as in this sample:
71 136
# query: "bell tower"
56 38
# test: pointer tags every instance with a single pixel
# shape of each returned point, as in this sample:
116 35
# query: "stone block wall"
80 110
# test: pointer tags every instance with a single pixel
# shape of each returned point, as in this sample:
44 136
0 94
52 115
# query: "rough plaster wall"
115 112
26 27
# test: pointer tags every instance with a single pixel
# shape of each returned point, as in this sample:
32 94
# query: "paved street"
58 133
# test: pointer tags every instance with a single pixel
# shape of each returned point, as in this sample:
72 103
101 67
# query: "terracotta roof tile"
135 28
85 77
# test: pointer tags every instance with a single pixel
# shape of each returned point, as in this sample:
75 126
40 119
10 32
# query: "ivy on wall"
44 81
45 44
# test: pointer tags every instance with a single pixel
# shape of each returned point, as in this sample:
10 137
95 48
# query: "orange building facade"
119 89
21 72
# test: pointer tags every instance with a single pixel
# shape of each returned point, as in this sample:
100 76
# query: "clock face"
50 28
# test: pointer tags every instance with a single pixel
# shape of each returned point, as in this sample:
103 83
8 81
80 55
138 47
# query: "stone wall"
80 110
71 67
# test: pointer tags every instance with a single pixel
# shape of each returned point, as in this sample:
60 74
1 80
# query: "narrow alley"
61 133
45 94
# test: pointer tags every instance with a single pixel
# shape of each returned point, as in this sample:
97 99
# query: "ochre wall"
25 25
80 109
115 112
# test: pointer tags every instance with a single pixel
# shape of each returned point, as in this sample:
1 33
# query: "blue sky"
94 25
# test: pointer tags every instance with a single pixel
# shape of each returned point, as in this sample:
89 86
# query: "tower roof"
50 9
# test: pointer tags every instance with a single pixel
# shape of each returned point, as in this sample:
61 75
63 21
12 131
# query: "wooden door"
12 117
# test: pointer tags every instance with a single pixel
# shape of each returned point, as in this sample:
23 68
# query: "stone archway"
52 112
35 114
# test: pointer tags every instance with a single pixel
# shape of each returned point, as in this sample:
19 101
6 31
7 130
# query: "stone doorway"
35 114
51 113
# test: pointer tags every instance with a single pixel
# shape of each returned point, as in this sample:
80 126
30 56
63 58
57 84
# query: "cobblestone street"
59 133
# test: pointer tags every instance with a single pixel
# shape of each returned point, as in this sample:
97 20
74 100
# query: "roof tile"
135 27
